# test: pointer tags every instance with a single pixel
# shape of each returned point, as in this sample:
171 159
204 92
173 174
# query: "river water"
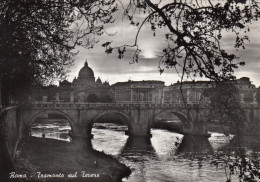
166 157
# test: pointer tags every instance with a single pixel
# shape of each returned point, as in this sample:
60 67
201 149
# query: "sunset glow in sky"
110 68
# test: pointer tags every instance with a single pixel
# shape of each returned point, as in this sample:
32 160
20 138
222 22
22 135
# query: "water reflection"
194 145
138 149
219 141
243 143
109 141
159 158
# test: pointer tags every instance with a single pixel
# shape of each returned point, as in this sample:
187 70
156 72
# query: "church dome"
99 81
86 71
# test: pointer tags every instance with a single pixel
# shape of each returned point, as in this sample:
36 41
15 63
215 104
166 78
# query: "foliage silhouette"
194 31
38 38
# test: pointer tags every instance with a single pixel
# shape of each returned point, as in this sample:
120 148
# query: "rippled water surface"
52 128
156 160
167 156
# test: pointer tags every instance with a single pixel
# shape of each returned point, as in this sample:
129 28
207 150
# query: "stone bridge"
138 117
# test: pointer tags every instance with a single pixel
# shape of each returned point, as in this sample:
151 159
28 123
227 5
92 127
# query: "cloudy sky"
110 68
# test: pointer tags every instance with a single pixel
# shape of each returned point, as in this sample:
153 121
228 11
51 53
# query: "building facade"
201 91
138 91
188 91
86 88
247 91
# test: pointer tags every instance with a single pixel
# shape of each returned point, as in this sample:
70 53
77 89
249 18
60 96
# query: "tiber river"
163 158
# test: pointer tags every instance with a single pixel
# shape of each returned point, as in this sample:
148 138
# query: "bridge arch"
173 126
181 116
61 113
125 116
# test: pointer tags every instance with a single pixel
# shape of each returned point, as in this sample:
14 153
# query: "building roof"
243 80
192 82
137 82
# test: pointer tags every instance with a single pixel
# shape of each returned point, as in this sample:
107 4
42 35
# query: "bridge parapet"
69 105
48 105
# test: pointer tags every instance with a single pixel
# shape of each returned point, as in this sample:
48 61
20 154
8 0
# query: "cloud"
112 69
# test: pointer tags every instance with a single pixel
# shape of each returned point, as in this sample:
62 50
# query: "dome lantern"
86 63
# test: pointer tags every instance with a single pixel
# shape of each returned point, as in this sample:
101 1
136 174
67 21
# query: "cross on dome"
86 62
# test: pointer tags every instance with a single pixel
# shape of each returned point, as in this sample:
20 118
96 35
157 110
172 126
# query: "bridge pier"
191 143
81 132
141 122
139 131
197 122
196 125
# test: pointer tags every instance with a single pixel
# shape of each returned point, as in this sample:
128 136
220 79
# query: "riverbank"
53 160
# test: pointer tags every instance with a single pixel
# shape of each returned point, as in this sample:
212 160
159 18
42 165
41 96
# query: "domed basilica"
85 79
85 88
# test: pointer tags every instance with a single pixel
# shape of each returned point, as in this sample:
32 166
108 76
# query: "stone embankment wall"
10 134
11 125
